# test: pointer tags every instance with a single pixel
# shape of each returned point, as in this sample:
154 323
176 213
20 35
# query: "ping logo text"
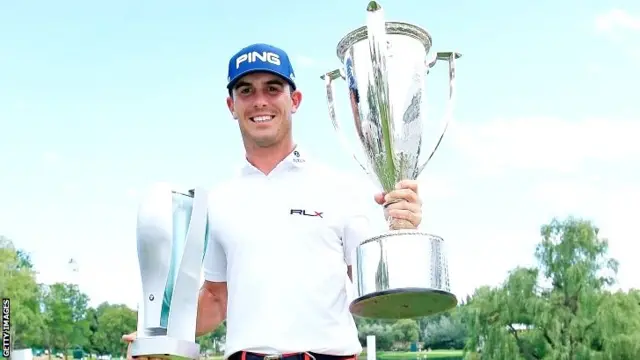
255 56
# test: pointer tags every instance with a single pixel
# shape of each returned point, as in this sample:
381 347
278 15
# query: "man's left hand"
403 202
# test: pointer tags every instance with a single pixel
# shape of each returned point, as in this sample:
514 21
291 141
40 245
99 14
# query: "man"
283 232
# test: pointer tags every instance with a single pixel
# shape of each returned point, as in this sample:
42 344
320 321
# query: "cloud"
564 196
622 28
492 260
617 20
545 143
612 204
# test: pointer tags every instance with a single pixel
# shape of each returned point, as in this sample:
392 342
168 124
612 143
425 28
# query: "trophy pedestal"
402 274
406 303
165 347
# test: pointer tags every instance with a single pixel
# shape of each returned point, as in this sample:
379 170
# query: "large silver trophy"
172 235
402 273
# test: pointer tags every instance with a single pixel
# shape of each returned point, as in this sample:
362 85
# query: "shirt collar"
295 160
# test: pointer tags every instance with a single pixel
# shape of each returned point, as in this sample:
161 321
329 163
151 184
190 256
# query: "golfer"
283 231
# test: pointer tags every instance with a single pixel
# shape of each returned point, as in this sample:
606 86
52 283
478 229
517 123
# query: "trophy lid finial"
373 6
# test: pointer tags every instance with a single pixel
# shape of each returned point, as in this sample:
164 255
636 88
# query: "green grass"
435 354
393 355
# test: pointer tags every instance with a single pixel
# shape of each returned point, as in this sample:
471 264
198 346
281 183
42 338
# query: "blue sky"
99 100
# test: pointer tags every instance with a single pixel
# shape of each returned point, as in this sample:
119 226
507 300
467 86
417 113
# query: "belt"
244 355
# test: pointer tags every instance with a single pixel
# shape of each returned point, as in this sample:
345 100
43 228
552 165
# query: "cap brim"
235 80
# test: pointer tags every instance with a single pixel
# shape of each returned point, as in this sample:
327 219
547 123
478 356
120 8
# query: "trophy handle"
328 81
450 57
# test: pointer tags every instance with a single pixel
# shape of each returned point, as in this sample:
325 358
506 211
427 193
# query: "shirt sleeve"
215 259
362 221
357 230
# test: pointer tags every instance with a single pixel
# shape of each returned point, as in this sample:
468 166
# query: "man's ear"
230 105
296 99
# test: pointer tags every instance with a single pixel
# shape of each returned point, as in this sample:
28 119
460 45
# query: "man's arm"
212 307
212 299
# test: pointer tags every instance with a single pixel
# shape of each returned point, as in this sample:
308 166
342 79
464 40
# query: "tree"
94 346
381 329
24 259
219 336
66 317
617 326
448 332
107 324
567 319
206 344
405 331
18 283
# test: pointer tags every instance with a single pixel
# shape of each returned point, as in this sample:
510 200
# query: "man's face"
263 104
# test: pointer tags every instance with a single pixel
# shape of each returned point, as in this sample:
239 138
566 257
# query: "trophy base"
402 274
164 347
405 303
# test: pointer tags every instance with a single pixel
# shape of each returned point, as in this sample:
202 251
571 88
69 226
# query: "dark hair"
292 88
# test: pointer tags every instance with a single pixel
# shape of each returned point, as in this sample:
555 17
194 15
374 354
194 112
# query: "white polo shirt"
283 242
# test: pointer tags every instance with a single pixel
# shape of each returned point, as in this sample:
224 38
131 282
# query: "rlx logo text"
254 56
305 212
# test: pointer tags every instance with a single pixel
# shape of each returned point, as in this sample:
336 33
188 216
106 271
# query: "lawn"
389 355
435 354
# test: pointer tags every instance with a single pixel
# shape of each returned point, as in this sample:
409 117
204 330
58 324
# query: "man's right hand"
129 339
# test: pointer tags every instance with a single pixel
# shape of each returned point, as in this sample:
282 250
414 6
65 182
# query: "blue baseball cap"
260 58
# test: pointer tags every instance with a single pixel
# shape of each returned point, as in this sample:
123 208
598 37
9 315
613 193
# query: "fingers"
129 357
404 205
407 195
405 211
408 184
404 215
406 190
129 338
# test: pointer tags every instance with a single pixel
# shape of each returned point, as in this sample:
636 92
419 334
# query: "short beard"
265 143
270 141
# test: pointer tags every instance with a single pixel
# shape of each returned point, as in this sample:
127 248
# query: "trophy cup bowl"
402 273
171 236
